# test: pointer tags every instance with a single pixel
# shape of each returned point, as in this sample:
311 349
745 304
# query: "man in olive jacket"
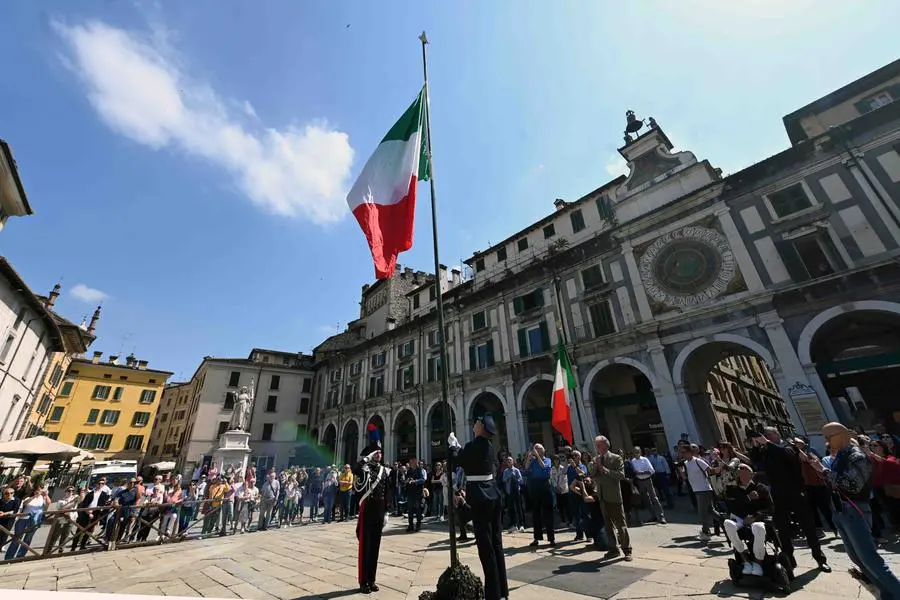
608 472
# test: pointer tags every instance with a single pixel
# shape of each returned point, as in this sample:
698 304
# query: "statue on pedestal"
243 405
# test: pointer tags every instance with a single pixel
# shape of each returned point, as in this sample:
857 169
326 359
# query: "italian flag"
562 383
383 199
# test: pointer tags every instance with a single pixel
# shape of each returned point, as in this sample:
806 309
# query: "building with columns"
652 281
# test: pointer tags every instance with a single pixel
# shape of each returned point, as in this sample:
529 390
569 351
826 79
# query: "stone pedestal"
233 452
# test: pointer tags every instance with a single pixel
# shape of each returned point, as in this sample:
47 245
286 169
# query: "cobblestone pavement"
319 561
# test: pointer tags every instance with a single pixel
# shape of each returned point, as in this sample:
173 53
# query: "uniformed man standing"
415 489
482 494
372 484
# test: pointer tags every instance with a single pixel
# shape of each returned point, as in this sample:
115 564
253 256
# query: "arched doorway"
754 401
438 432
405 436
538 409
351 442
329 440
626 408
487 402
857 356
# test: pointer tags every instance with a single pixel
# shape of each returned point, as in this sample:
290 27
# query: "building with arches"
692 304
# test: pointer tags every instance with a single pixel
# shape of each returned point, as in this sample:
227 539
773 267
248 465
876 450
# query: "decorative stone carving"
687 267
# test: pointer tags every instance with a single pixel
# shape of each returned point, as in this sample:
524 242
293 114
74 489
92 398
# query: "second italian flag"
383 199
562 383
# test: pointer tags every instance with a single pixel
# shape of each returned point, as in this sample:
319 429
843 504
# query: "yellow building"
106 407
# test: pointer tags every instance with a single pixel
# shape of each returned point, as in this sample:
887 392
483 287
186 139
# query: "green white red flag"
383 199
562 383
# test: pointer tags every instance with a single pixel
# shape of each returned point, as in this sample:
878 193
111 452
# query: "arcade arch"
489 402
405 436
438 432
351 442
625 405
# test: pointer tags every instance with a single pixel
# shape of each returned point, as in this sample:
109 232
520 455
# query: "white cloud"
140 90
88 294
616 165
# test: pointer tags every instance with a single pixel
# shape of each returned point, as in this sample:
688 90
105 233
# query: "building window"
523 244
592 277
117 394
307 381
549 231
533 340
433 339
602 319
406 349
267 432
66 389
134 442
378 360
304 405
140 419
528 302
434 368
376 386
432 293
577 221
788 201
107 376
93 441
272 404
223 427
148 396
56 414
92 417
53 435
479 320
163 417
479 265
56 375
109 417
416 301
481 356
336 375
123 378
44 405
179 415
301 431
235 379
405 378
229 401
101 392
809 257
882 98
7 346
275 382
501 254
155 451
350 394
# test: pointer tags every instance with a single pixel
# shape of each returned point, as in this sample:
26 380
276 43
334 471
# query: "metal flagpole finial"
423 38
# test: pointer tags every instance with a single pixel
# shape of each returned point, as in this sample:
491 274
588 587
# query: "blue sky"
187 161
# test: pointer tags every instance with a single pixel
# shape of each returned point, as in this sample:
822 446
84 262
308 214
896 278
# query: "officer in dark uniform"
482 494
415 490
372 484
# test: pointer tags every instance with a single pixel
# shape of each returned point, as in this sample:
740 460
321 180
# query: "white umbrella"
166 465
38 448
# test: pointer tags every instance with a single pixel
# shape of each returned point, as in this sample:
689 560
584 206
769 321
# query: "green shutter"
538 295
490 353
545 337
517 305
523 342
472 362
863 106
792 261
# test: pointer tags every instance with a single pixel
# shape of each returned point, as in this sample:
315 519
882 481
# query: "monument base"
233 453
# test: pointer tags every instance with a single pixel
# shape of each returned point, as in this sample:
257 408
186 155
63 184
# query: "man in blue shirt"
537 470
512 487
576 472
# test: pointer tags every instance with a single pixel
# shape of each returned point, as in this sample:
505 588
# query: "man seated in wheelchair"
749 504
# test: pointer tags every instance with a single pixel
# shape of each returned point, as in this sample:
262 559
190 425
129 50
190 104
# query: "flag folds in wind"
383 199
562 383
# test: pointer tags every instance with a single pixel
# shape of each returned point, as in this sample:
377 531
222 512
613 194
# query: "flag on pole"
383 199
562 383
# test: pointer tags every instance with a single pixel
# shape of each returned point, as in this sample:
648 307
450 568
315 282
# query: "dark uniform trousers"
368 531
542 507
793 503
487 520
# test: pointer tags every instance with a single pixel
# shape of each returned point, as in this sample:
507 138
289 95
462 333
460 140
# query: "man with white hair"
538 469
749 503
608 472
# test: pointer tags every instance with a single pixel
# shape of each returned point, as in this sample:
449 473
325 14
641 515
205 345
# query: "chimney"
113 359
559 203
51 299
96 359
455 276
129 360
142 365
93 326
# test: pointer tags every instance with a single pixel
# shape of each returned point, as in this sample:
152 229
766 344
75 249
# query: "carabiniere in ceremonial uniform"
482 494
371 482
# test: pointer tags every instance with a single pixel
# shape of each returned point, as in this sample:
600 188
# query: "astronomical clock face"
687 267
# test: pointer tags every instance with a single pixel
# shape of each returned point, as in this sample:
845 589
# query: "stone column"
674 405
514 432
637 285
741 256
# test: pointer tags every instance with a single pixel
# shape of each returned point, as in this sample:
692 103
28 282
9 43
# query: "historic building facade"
652 281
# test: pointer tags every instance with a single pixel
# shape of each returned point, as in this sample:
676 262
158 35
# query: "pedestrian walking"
415 489
643 482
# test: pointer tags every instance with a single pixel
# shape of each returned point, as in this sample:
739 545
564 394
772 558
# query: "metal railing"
107 528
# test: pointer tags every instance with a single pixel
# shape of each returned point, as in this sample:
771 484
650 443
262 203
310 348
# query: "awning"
40 448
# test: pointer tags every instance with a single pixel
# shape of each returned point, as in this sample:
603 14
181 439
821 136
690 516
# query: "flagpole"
448 427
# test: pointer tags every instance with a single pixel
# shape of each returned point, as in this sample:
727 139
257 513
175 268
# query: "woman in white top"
31 513
249 498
